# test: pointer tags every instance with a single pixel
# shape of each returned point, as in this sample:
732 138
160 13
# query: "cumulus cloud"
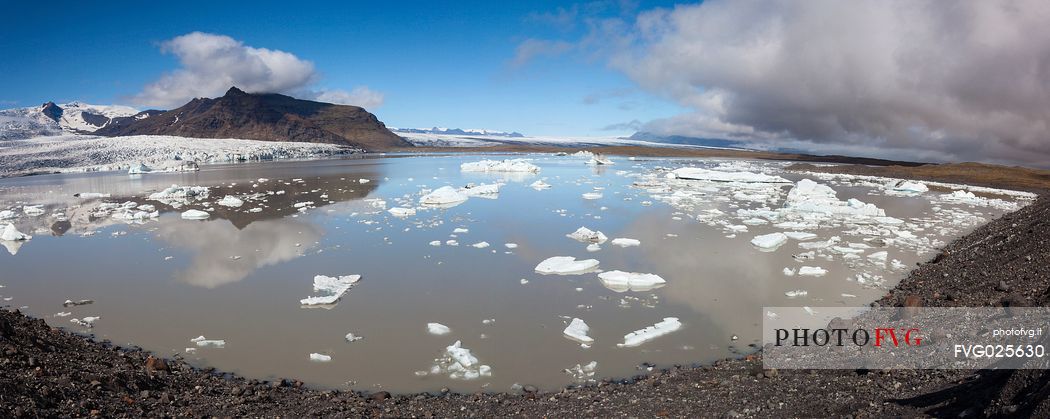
210 64
360 96
957 80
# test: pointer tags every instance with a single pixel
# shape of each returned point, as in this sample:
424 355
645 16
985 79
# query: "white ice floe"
621 281
540 185
812 271
577 330
363 181
586 235
638 337
7 215
195 215
769 242
445 196
86 321
438 329
350 337
566 265
401 212
510 245
32 210
435 243
625 242
515 165
316 357
598 160
810 196
593 247
202 341
696 173
230 201
334 287
91 195
800 235
583 373
796 293
591 195
179 195
481 191
789 272
460 364
139 169
10 233
481 245
905 187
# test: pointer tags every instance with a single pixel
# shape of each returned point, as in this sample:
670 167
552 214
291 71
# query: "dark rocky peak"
51 110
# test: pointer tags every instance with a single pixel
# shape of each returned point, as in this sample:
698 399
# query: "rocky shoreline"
48 372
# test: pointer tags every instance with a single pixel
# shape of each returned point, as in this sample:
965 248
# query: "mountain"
458 131
266 117
53 119
681 139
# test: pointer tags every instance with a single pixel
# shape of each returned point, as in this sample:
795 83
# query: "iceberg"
139 169
583 373
577 330
460 364
638 337
195 215
515 165
625 242
11 233
438 329
230 201
621 281
591 195
585 235
540 185
800 235
481 245
401 212
202 341
812 271
565 265
7 215
32 210
334 287
696 173
316 357
810 196
445 196
769 242
906 187
481 191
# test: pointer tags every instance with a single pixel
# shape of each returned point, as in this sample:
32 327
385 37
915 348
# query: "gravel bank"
47 372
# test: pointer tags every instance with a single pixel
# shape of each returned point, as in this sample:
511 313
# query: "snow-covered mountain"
52 119
457 131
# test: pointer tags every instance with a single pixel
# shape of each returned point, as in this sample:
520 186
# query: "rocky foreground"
48 372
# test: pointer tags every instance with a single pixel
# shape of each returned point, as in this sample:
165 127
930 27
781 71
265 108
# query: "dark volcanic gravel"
47 372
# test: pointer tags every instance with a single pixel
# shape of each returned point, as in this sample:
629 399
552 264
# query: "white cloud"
957 80
210 64
361 96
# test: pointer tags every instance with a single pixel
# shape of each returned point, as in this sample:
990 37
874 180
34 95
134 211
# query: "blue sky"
447 65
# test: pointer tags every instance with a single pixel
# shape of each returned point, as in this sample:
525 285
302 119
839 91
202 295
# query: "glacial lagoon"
700 246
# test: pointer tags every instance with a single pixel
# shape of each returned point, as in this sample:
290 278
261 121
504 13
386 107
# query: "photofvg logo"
888 336
903 338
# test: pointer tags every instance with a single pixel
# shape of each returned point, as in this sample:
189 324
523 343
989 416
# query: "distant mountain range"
54 119
458 131
266 117
681 139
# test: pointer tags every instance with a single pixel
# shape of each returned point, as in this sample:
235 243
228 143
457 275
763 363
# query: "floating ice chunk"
566 265
195 215
583 373
32 210
139 169
438 329
796 293
445 196
789 272
179 194
316 357
540 185
460 230
625 242
7 215
638 337
577 330
593 247
401 212
459 363
202 341
621 281
363 181
481 191
10 233
810 196
510 245
435 243
695 173
598 160
85 322
63 314
812 271
585 235
769 242
334 287
906 187
481 245
800 235
591 195
452 243
516 165
879 257
350 337
91 195
230 201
